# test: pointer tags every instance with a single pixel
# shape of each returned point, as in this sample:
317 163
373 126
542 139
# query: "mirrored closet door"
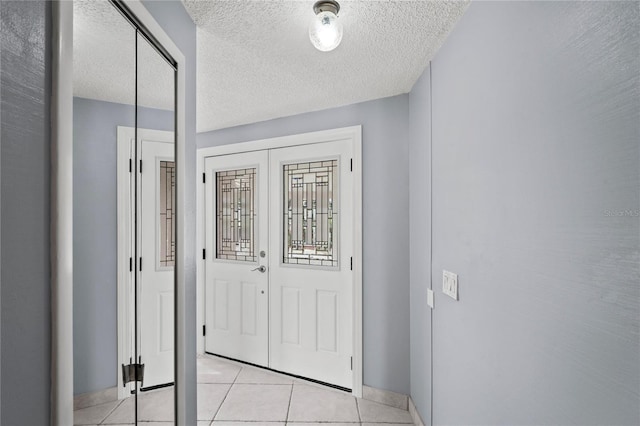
123 219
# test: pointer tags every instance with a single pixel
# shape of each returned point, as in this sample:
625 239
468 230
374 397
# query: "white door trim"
353 133
62 216
125 146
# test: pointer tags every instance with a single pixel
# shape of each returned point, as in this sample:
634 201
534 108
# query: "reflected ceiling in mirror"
104 59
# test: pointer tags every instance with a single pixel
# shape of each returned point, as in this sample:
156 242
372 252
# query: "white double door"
279 242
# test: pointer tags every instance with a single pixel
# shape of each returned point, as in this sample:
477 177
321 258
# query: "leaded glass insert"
167 210
311 213
235 214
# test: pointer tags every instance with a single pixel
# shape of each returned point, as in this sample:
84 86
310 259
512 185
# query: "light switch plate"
430 298
450 284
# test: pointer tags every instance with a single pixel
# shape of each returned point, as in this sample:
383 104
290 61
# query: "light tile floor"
234 394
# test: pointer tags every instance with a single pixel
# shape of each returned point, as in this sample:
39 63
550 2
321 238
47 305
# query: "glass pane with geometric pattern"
311 213
167 213
235 215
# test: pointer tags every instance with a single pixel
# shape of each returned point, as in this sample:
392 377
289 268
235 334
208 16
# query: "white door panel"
236 291
156 289
310 270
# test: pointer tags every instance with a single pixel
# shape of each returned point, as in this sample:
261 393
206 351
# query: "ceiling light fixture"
325 30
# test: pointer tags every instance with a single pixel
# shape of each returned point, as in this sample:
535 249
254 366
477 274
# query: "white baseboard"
95 398
415 415
385 397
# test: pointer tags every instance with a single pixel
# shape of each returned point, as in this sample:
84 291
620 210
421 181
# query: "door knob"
261 268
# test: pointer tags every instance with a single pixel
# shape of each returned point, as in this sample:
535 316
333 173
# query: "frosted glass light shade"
325 31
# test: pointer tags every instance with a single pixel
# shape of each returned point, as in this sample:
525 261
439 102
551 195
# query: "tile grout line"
120 402
286 419
235 379
233 382
358 409
223 399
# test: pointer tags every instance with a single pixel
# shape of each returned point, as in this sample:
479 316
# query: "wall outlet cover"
450 284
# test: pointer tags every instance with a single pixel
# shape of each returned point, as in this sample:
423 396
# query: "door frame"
61 233
125 139
354 134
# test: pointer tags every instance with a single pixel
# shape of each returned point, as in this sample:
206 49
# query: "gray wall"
536 136
95 345
24 172
175 21
420 242
385 128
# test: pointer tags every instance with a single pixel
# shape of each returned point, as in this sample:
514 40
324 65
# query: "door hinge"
204 178
351 363
204 254
129 165
204 330
140 166
352 164
140 264
133 373
352 263
130 264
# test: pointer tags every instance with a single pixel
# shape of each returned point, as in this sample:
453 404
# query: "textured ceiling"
104 59
255 60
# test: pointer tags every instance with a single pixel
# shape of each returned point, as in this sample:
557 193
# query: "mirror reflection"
124 221
156 225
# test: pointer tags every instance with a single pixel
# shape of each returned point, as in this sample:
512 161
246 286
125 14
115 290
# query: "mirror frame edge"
61 225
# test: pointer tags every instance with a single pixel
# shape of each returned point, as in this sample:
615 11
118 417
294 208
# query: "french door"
279 242
237 236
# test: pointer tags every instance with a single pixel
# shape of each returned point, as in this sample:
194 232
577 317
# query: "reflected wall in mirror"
124 221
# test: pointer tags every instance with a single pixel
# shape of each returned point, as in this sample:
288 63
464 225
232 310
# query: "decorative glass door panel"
235 215
311 213
166 214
